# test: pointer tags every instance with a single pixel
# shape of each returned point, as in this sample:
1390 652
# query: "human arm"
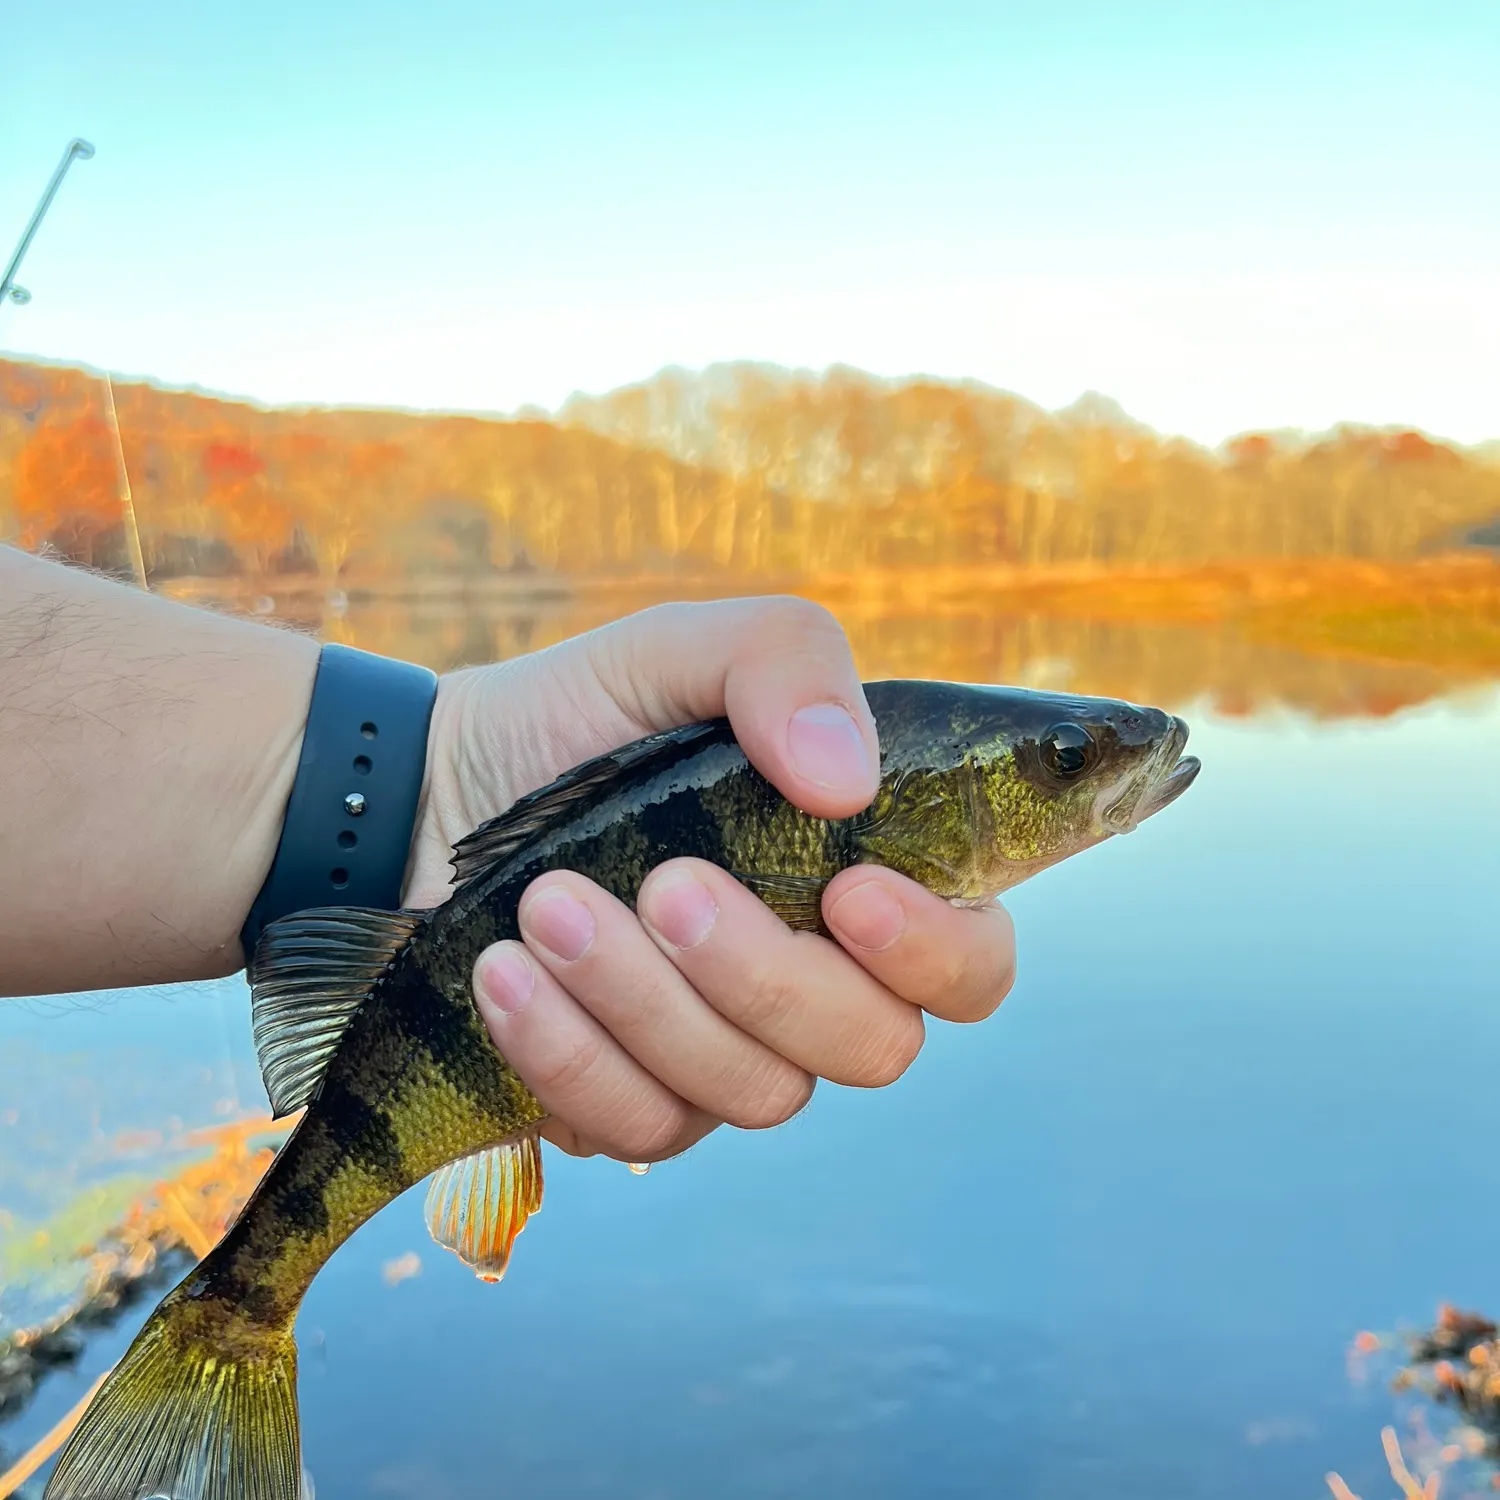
146 754
147 751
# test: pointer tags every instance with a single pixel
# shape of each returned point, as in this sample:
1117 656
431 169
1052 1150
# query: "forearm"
146 754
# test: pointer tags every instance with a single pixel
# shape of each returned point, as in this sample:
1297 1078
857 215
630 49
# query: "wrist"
277 677
348 824
443 815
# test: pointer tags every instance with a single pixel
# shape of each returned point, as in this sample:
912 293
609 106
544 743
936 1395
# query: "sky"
1226 216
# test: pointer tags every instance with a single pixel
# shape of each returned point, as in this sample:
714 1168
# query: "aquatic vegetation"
181 1216
1448 1467
1455 1363
138 1248
1429 1489
37 1253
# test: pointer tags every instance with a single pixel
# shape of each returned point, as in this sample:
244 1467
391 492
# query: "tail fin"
202 1407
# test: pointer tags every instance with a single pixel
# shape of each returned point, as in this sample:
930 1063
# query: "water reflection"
1241 664
1114 1242
99 1096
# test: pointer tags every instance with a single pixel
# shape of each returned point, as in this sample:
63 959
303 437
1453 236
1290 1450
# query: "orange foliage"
741 473
1413 448
255 520
1253 448
20 390
248 512
66 487
231 463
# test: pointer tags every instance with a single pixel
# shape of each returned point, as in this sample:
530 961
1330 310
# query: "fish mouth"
1174 773
1171 787
1167 775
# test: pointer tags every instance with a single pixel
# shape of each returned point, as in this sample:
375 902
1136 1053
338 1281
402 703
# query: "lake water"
1113 1242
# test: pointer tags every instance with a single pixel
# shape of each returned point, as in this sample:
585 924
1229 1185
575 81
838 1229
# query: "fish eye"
1067 750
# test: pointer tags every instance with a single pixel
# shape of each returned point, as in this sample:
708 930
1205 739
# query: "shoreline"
1252 580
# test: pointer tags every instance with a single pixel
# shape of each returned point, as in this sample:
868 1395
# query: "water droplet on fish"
640 1168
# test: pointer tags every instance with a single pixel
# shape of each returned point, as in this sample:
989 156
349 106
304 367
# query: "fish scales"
368 1019
416 1083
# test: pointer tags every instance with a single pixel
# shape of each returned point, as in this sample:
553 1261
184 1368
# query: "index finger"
955 963
782 671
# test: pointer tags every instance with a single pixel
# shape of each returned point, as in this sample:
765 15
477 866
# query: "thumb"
780 668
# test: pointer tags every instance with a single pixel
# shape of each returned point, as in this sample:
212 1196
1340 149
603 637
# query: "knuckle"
569 1072
793 616
797 629
764 1000
626 999
775 1095
632 1011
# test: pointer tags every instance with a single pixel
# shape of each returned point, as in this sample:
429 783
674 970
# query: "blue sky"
1224 215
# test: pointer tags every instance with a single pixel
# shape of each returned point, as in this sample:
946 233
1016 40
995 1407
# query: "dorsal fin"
494 842
310 973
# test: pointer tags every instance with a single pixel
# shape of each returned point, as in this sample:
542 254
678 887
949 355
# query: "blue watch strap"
353 806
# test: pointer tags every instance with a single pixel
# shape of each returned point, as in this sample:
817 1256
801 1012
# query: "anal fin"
796 899
478 1205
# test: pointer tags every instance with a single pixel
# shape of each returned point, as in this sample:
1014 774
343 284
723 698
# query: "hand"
641 1033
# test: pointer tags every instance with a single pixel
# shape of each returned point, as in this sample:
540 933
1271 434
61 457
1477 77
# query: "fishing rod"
78 150
81 150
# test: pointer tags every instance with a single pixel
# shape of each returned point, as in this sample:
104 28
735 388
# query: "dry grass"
1405 1480
1454 1363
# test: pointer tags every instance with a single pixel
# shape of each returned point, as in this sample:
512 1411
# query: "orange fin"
478 1205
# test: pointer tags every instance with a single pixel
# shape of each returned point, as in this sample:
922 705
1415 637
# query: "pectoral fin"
477 1206
796 899
309 974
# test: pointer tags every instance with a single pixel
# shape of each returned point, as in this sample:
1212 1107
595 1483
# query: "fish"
365 1020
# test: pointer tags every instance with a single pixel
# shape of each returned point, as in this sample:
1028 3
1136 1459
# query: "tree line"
740 470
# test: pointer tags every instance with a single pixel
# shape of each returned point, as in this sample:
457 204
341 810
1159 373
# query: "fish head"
982 787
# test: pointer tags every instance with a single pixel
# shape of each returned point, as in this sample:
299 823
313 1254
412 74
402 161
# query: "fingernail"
560 922
506 977
827 748
869 916
682 909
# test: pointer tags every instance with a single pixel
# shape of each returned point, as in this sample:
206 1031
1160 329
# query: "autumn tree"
329 511
760 473
251 514
66 489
